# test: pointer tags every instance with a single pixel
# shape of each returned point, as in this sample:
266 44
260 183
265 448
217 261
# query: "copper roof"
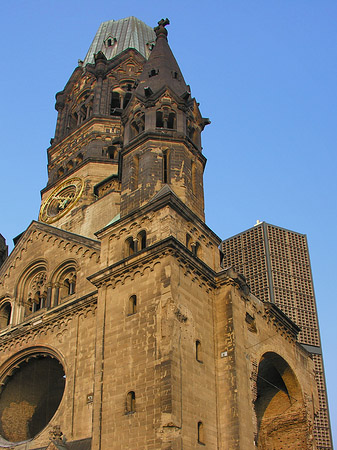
115 36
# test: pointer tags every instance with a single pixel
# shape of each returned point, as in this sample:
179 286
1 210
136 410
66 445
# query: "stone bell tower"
119 326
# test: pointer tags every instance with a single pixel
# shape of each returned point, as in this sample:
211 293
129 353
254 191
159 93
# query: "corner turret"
162 134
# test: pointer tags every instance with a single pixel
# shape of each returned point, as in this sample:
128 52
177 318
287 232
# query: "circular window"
31 392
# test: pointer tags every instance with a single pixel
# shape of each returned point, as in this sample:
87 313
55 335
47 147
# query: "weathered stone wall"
247 334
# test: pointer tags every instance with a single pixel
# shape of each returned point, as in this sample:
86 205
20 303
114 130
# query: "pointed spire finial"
160 30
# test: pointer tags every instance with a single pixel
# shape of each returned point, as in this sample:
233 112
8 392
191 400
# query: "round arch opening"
32 389
281 419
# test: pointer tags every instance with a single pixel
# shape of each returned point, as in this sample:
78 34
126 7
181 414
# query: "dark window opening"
222 256
165 167
153 73
111 152
115 103
109 42
130 402
70 286
198 351
175 75
171 121
132 305
201 437
127 98
159 119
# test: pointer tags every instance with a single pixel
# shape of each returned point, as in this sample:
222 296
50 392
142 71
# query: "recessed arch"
31 290
5 313
64 280
281 419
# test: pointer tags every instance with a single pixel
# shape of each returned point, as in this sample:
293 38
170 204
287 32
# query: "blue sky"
263 71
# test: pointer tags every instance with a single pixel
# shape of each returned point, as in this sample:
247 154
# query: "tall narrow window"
198 351
132 305
159 119
141 240
129 247
130 402
127 98
112 152
194 178
196 249
171 121
201 437
165 167
188 241
115 102
135 172
38 302
5 315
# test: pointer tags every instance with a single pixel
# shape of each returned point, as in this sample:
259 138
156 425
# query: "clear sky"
263 71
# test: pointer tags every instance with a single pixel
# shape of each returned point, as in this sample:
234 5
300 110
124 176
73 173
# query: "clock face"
61 200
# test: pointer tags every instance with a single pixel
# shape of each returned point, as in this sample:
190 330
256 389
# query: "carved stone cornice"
147 258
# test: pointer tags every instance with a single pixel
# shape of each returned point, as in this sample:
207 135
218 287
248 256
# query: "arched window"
171 121
5 315
201 436
198 351
132 306
129 246
141 238
36 292
67 283
130 402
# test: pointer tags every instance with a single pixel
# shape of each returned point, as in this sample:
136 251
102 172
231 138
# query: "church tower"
119 328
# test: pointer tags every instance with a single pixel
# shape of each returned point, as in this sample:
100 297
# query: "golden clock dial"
61 200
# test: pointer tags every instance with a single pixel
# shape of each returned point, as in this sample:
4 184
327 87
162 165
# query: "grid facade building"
275 261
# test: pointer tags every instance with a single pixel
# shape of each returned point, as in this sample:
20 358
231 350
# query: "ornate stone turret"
162 142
